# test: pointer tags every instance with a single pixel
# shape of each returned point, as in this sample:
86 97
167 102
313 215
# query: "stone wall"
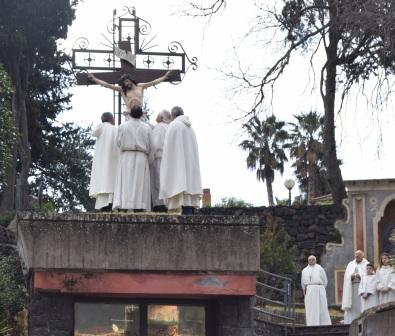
234 316
51 315
309 227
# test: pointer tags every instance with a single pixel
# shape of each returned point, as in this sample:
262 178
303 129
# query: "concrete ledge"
379 320
127 242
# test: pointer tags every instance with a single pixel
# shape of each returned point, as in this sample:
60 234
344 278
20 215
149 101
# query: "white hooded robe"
351 302
386 279
104 165
314 281
180 181
158 140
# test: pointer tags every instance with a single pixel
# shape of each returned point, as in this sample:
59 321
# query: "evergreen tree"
28 34
7 125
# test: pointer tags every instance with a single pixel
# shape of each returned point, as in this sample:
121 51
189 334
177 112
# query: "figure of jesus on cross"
131 91
129 63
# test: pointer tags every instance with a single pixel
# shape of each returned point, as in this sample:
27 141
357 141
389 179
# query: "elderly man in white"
180 181
351 301
158 139
105 163
314 281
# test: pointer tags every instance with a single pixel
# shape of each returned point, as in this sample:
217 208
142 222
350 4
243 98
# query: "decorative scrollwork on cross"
174 47
168 62
90 59
129 51
149 61
145 27
81 42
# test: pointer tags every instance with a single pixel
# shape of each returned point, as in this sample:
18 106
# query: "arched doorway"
387 229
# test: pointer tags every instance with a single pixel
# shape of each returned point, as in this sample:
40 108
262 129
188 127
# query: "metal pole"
119 109
289 197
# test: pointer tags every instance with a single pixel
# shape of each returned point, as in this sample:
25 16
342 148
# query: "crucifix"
127 53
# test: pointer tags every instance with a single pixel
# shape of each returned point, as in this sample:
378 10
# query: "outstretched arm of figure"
156 81
103 83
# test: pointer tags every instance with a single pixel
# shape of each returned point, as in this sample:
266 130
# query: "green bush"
277 251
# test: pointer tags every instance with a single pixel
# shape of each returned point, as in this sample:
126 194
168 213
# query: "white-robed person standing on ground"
314 282
367 289
351 302
180 181
158 139
132 187
105 163
385 280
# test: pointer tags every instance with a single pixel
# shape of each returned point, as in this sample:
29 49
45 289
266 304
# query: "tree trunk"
22 151
330 156
311 183
269 187
8 194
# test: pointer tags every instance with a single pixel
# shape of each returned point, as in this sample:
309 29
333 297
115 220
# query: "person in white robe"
367 289
180 180
158 139
314 282
351 302
105 163
385 280
132 187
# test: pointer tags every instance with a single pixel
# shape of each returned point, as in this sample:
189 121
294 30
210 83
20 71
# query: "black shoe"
160 208
188 210
107 208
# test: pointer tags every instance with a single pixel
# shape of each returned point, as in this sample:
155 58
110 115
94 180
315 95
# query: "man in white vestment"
105 163
385 280
132 187
314 281
367 289
180 181
158 139
351 302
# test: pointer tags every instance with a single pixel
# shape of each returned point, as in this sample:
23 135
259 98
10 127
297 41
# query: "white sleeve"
96 132
361 287
151 147
302 282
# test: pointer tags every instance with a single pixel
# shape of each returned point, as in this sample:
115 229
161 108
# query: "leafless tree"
358 40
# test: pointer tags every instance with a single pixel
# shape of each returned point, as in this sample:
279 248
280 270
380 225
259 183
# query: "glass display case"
138 319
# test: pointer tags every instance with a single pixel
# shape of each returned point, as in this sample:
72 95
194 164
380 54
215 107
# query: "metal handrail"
275 275
286 292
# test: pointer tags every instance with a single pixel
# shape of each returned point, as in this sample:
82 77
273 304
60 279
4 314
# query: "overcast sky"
208 99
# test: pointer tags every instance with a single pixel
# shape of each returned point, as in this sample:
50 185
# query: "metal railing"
275 299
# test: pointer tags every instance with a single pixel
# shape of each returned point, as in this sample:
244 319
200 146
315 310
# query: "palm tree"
307 149
265 148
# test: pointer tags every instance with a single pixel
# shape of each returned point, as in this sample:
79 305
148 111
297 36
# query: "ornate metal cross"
127 53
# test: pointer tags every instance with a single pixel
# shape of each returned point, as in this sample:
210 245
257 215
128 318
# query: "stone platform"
142 260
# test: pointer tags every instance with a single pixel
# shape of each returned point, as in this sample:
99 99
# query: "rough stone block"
97 242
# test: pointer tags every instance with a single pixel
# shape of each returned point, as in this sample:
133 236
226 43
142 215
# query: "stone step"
334 330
